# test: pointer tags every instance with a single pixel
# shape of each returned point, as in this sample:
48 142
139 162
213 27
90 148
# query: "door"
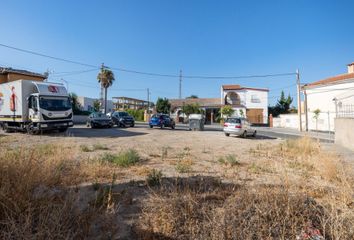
255 115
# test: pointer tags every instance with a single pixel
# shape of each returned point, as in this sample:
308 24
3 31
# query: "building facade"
130 103
246 101
327 99
10 75
87 104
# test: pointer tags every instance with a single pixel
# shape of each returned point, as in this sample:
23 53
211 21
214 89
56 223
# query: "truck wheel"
31 130
63 129
6 128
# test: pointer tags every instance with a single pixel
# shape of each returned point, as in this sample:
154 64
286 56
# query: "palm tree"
105 78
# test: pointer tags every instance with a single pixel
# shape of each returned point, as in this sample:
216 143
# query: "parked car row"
233 126
118 118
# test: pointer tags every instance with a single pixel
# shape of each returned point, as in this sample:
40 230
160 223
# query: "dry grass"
58 192
39 195
236 212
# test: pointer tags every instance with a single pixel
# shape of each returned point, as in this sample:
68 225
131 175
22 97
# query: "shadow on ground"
129 198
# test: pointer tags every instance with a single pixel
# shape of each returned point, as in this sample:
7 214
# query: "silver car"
239 127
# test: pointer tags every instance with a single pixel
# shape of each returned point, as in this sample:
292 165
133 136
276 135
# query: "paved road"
262 132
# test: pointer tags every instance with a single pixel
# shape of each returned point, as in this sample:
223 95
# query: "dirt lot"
183 174
159 148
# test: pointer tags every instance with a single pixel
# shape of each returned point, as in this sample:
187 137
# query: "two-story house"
246 101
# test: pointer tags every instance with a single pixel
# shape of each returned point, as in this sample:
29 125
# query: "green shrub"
229 159
99 147
123 159
154 177
138 114
85 148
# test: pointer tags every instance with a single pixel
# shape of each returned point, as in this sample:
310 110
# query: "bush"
123 159
138 114
154 177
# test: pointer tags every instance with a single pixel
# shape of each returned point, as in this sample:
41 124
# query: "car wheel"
151 126
62 130
244 134
132 125
92 125
88 124
161 126
227 134
254 134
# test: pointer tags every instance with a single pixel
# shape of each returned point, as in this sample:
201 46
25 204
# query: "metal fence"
345 111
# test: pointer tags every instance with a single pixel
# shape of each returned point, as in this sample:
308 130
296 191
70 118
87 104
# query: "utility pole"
148 99
306 113
298 99
180 84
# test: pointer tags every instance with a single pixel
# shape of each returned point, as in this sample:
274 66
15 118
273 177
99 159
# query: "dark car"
161 120
98 120
122 119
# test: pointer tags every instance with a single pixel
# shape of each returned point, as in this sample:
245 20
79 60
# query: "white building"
87 104
330 97
246 101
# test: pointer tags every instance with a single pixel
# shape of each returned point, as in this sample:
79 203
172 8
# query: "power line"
47 56
145 73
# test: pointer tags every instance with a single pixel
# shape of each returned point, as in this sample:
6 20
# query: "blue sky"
201 37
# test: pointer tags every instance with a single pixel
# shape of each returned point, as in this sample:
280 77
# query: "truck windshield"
54 104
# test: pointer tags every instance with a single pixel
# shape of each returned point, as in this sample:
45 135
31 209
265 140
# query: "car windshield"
54 104
123 114
233 120
99 115
156 116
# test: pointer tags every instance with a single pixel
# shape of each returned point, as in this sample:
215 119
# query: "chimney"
351 67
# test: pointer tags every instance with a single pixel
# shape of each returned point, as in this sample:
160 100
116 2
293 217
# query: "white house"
330 97
87 104
246 101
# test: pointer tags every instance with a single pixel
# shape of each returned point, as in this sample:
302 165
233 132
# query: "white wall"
321 97
288 121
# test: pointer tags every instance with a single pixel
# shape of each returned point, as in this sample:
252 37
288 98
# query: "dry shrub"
38 196
304 146
238 212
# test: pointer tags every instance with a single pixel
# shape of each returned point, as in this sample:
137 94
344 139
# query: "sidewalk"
328 137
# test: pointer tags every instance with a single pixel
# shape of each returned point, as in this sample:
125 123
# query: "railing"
345 111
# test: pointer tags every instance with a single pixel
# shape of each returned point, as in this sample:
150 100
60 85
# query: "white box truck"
33 106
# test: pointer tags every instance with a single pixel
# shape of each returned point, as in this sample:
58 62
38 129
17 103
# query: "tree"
74 102
242 114
189 109
105 78
96 105
192 96
284 103
282 106
227 111
316 116
163 105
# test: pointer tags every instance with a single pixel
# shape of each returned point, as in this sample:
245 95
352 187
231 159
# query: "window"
255 99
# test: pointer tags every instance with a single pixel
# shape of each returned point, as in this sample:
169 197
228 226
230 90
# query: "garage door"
255 115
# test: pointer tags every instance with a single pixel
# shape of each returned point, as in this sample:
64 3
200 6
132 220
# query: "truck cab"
35 106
